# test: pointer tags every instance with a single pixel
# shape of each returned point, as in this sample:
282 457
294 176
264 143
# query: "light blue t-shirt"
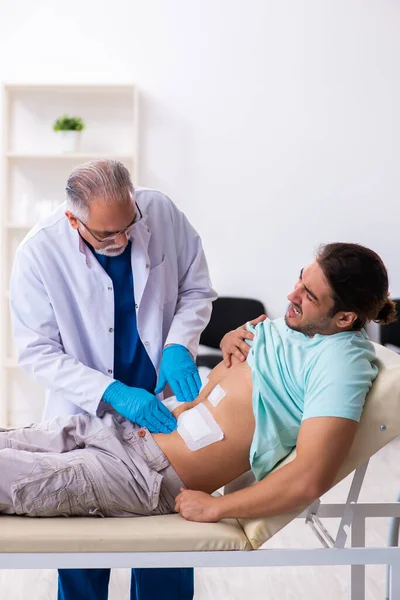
296 377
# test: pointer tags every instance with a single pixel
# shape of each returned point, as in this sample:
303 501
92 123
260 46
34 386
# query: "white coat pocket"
161 283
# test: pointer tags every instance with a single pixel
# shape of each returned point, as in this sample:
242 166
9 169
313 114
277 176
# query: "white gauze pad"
198 428
216 395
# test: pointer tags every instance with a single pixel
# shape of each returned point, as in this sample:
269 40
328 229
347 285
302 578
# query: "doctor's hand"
180 371
196 506
141 407
238 342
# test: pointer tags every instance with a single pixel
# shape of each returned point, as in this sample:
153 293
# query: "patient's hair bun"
387 314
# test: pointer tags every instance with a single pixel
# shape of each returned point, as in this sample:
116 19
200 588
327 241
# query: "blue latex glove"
141 407
180 371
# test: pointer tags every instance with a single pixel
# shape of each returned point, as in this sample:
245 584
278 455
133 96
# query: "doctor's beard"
110 250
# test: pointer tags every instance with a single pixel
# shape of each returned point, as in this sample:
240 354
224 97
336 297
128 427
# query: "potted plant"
69 130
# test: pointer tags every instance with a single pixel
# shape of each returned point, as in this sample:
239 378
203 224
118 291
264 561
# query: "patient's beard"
311 327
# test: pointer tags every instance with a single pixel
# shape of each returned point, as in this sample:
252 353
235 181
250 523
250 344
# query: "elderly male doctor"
106 292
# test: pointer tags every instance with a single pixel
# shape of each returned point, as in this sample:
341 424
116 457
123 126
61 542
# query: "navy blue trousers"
146 584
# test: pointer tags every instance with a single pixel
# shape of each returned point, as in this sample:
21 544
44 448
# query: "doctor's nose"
121 239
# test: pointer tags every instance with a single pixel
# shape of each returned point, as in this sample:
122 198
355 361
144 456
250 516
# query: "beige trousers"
84 465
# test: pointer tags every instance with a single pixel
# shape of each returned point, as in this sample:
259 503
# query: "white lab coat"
62 301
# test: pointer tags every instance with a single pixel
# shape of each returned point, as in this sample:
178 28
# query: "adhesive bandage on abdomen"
198 428
216 395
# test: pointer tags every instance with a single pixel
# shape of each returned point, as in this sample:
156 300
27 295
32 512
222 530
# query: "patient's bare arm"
323 445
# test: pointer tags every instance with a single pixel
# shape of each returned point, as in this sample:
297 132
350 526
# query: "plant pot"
69 140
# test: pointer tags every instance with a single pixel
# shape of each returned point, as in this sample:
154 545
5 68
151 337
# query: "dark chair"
390 334
227 314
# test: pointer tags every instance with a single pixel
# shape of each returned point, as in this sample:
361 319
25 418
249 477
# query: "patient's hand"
196 506
233 344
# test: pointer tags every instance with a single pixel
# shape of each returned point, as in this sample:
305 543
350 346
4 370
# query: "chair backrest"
390 334
227 314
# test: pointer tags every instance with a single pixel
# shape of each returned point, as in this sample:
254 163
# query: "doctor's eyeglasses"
111 237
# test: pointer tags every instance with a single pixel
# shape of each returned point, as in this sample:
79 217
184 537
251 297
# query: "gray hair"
105 179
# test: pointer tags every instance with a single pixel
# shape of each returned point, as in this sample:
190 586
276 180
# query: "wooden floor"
323 583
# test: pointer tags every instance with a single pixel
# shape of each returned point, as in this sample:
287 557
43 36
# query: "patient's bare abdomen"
230 406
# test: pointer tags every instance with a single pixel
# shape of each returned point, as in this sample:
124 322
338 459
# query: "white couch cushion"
167 533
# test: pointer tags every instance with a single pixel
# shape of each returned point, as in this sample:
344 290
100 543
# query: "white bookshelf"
71 155
34 171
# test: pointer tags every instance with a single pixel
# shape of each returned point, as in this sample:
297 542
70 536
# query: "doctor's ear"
73 221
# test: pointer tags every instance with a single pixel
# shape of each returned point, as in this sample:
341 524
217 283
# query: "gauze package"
198 428
216 395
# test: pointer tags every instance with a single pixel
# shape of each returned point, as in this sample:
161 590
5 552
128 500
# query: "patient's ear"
345 319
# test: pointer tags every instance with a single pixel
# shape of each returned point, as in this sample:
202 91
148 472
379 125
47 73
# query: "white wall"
274 125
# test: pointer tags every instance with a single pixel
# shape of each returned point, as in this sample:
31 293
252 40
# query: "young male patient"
304 384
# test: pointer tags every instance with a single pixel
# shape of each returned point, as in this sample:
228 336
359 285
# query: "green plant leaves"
66 123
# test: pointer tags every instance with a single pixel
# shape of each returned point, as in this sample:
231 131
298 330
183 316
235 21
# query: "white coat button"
147 266
109 288
146 343
110 371
148 229
111 330
136 306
